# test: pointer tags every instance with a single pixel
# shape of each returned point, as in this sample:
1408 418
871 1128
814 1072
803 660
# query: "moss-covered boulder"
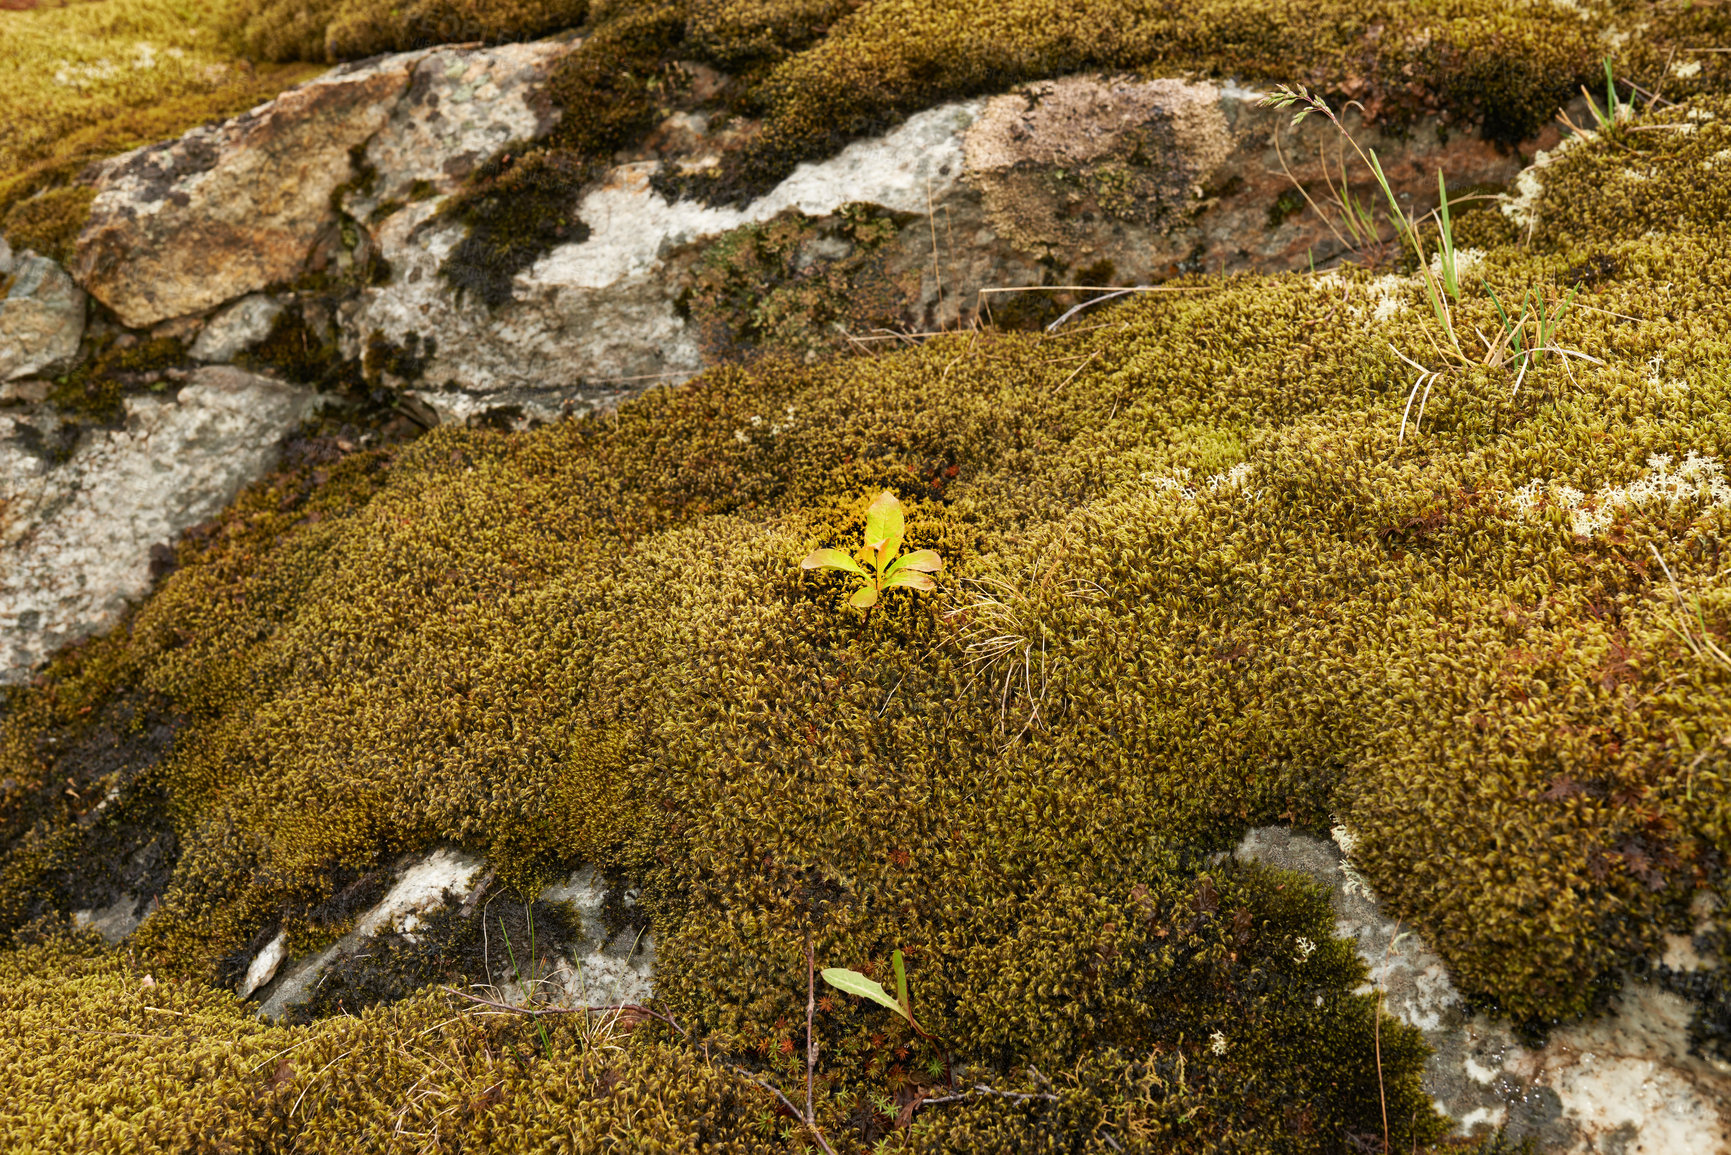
1212 560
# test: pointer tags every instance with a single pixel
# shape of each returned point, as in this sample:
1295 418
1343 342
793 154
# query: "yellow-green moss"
593 643
95 388
84 81
335 30
142 68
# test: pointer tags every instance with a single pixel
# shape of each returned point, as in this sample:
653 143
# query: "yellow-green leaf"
883 530
832 559
854 983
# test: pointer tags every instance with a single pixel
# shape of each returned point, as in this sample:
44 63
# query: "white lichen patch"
1699 482
1467 263
1179 483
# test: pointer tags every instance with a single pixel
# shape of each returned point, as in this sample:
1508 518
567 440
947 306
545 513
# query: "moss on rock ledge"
1226 582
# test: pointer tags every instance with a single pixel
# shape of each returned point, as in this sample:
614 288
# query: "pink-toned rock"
231 208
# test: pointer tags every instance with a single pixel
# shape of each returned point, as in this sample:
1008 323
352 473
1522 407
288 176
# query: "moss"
517 207
610 88
342 30
79 82
50 222
796 284
202 1073
95 389
490 942
592 641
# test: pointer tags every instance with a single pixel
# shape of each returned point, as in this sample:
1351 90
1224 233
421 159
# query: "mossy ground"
1224 589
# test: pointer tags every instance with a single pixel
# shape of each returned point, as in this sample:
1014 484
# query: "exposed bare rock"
461 107
598 318
236 329
232 208
600 967
1058 159
78 521
41 314
1624 1081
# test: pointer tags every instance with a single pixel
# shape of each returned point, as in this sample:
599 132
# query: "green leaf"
910 579
854 983
924 560
832 559
883 528
864 599
902 984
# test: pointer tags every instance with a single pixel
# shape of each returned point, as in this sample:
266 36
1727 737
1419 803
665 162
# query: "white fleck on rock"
76 535
237 328
41 314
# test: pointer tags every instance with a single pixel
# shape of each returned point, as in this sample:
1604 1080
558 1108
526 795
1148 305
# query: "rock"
1624 1081
77 521
41 314
231 208
462 106
236 329
1089 180
603 969
606 969
263 967
423 886
113 922
1112 181
596 319
1056 158
234 208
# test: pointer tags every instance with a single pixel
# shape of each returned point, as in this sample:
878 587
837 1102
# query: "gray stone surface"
601 314
236 329
41 314
76 534
1621 1084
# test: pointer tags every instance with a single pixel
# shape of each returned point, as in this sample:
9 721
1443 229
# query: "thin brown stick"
810 1011
1381 1094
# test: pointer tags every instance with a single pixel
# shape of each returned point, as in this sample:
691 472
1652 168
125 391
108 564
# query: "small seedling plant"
879 565
853 983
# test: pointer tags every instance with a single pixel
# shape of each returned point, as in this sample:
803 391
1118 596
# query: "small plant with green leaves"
853 983
879 565
1615 111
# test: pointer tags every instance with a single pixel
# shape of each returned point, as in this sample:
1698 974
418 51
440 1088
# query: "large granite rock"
41 314
77 522
1081 181
600 317
1624 1082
